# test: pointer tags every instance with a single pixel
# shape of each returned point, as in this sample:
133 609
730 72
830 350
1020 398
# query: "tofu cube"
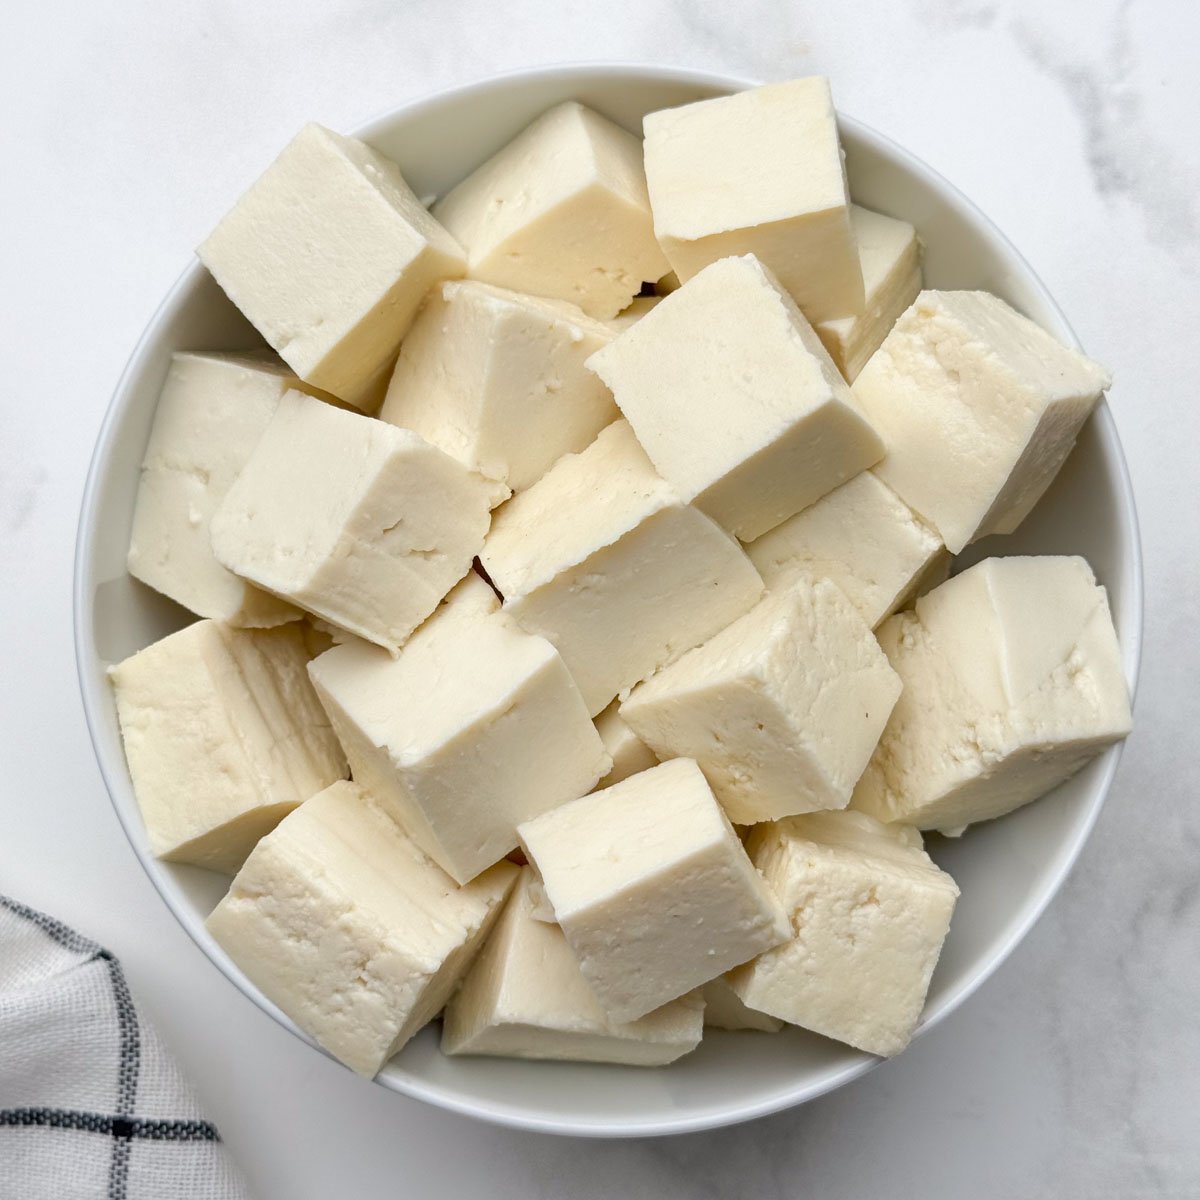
869 912
735 400
865 539
329 254
358 522
475 727
560 211
525 997
496 380
723 1009
628 752
978 408
341 921
782 709
890 256
652 888
211 413
223 736
1012 682
602 557
758 173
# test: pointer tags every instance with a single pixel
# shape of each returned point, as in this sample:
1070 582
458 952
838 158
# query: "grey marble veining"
1073 1074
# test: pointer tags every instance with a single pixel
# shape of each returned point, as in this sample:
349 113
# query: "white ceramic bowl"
1008 869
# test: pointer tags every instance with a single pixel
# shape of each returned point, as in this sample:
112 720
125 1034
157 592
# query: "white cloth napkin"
91 1104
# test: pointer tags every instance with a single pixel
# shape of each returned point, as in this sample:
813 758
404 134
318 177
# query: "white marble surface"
127 128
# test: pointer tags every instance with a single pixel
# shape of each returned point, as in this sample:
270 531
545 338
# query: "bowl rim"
510 1115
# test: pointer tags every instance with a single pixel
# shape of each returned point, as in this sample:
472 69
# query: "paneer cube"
735 399
978 407
782 709
329 255
211 413
341 921
869 912
560 211
628 752
890 255
652 888
759 172
865 539
474 728
1012 682
352 519
496 380
602 557
723 1009
525 997
223 736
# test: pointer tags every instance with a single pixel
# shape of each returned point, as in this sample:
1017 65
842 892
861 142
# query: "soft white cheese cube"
735 399
865 539
628 752
978 408
890 255
475 727
496 379
758 173
210 415
652 888
223 736
1012 682
525 997
561 211
329 254
869 912
341 921
352 519
723 1009
603 558
782 709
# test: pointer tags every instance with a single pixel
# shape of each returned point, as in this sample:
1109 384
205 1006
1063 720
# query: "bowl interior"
1007 869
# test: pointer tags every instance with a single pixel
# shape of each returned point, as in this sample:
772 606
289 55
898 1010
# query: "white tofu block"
736 401
628 752
758 173
890 256
210 415
869 912
352 519
978 408
329 254
474 728
637 309
560 211
652 888
341 921
496 380
223 736
865 539
601 557
723 1009
525 997
1012 682
782 709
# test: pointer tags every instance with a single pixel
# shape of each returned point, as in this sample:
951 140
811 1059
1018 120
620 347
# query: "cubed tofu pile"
579 655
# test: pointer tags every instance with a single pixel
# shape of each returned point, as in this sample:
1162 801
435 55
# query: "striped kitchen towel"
91 1104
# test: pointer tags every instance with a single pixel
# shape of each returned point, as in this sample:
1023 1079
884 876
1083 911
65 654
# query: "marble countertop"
127 129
